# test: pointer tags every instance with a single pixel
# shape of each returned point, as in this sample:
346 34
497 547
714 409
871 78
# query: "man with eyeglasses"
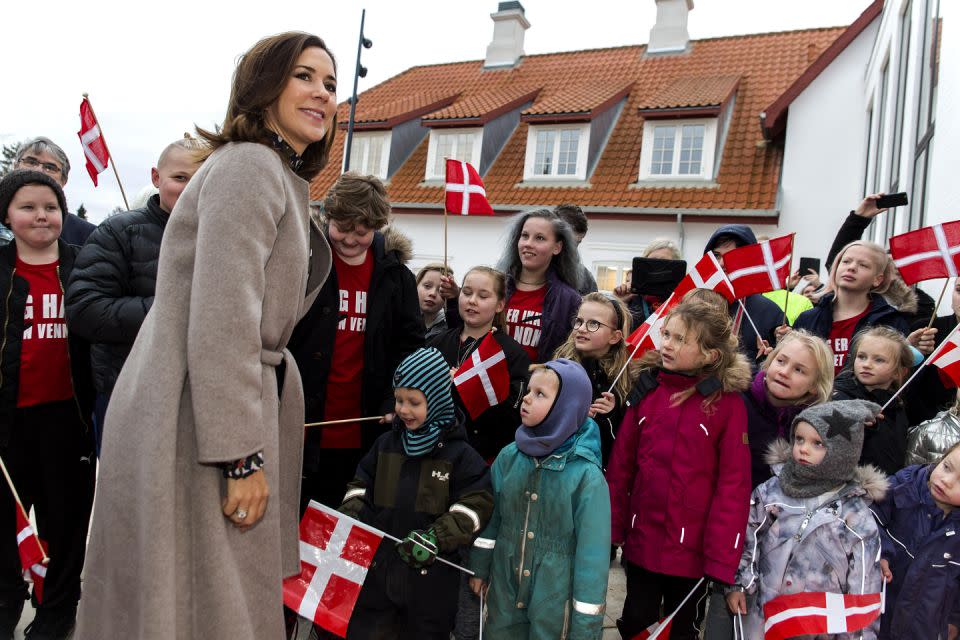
41 154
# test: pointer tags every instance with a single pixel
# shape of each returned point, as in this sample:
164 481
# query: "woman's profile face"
304 111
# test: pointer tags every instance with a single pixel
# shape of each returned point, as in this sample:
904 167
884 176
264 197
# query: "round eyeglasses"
592 325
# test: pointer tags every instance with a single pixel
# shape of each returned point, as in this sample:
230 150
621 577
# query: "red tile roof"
748 172
585 100
693 91
378 115
482 107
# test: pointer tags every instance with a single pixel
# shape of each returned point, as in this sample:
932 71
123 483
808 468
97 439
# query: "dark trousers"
646 591
401 603
328 485
50 460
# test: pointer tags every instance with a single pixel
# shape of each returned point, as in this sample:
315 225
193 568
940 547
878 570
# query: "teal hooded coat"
546 550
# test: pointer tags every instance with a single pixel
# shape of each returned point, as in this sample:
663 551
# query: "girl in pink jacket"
679 474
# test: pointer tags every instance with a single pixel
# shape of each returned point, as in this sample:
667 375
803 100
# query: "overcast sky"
154 70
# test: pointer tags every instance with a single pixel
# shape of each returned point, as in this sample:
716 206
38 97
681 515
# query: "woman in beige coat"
206 420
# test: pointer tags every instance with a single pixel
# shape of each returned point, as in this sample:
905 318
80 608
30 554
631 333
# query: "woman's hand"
387 418
813 278
885 571
604 404
448 288
763 348
924 340
624 292
246 500
781 331
737 602
868 208
477 585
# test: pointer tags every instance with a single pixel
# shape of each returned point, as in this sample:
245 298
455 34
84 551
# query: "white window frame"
361 141
583 146
435 134
621 267
706 161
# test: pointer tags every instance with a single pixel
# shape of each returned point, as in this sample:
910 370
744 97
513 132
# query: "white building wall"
944 188
824 152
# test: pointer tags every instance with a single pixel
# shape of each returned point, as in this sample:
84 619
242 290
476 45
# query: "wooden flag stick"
445 270
109 155
933 316
16 498
329 422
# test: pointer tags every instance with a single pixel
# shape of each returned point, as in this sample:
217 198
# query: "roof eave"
773 119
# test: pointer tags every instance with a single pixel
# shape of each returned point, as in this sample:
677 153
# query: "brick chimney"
509 25
669 34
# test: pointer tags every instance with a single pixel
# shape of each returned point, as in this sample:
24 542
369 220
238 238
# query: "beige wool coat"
239 265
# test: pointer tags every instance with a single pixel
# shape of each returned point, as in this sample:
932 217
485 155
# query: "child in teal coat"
543 559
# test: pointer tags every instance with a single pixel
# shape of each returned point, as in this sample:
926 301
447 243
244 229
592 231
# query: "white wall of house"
944 188
824 151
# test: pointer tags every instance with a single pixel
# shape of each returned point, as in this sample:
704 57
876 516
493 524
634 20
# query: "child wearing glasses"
597 342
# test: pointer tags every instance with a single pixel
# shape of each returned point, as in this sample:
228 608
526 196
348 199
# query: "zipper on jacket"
523 538
76 401
6 322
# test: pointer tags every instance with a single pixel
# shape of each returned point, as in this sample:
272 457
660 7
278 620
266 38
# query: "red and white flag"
335 554
706 274
927 253
28 544
94 148
761 267
649 632
803 614
466 194
483 380
947 358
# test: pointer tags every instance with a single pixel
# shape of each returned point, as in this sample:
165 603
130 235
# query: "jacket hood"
566 416
742 234
869 479
395 240
738 376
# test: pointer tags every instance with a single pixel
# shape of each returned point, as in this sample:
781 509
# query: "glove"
419 548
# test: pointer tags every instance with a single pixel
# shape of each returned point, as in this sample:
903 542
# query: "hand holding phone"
892 200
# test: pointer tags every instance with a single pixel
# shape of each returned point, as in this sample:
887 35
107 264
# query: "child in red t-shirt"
364 322
46 397
862 272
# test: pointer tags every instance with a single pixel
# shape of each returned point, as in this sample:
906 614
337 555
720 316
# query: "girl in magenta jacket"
679 474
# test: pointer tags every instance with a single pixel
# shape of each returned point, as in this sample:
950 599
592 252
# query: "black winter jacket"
927 395
448 489
885 443
76 230
112 287
819 320
394 330
609 423
494 428
15 291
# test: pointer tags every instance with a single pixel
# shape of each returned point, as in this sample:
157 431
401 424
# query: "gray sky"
153 70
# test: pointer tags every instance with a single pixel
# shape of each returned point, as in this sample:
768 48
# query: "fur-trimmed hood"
869 479
738 376
396 240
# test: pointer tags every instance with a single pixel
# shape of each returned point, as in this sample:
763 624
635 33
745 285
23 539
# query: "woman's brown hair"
261 75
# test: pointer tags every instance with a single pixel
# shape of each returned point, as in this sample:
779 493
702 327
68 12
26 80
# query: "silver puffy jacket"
928 441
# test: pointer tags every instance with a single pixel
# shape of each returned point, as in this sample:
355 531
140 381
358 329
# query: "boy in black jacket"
45 402
423 483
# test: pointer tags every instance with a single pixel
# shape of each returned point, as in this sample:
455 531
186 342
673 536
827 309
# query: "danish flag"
761 267
94 148
466 194
483 380
816 613
927 253
32 554
651 632
947 358
335 554
706 274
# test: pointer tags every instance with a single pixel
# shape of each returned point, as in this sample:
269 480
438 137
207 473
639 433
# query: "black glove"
419 548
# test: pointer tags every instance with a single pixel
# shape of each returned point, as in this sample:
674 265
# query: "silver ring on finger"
241 514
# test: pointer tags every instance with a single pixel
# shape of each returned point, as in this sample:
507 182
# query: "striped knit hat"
426 371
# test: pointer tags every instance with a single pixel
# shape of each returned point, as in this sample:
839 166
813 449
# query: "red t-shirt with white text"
44 358
841 334
345 381
524 319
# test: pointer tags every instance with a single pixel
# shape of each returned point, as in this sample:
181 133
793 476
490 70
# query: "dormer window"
684 128
459 144
681 149
370 153
557 152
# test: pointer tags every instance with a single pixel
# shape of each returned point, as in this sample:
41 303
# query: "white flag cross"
715 278
466 189
328 563
835 611
944 250
85 141
480 368
768 265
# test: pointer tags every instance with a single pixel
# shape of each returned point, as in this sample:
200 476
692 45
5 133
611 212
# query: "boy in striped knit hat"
424 483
